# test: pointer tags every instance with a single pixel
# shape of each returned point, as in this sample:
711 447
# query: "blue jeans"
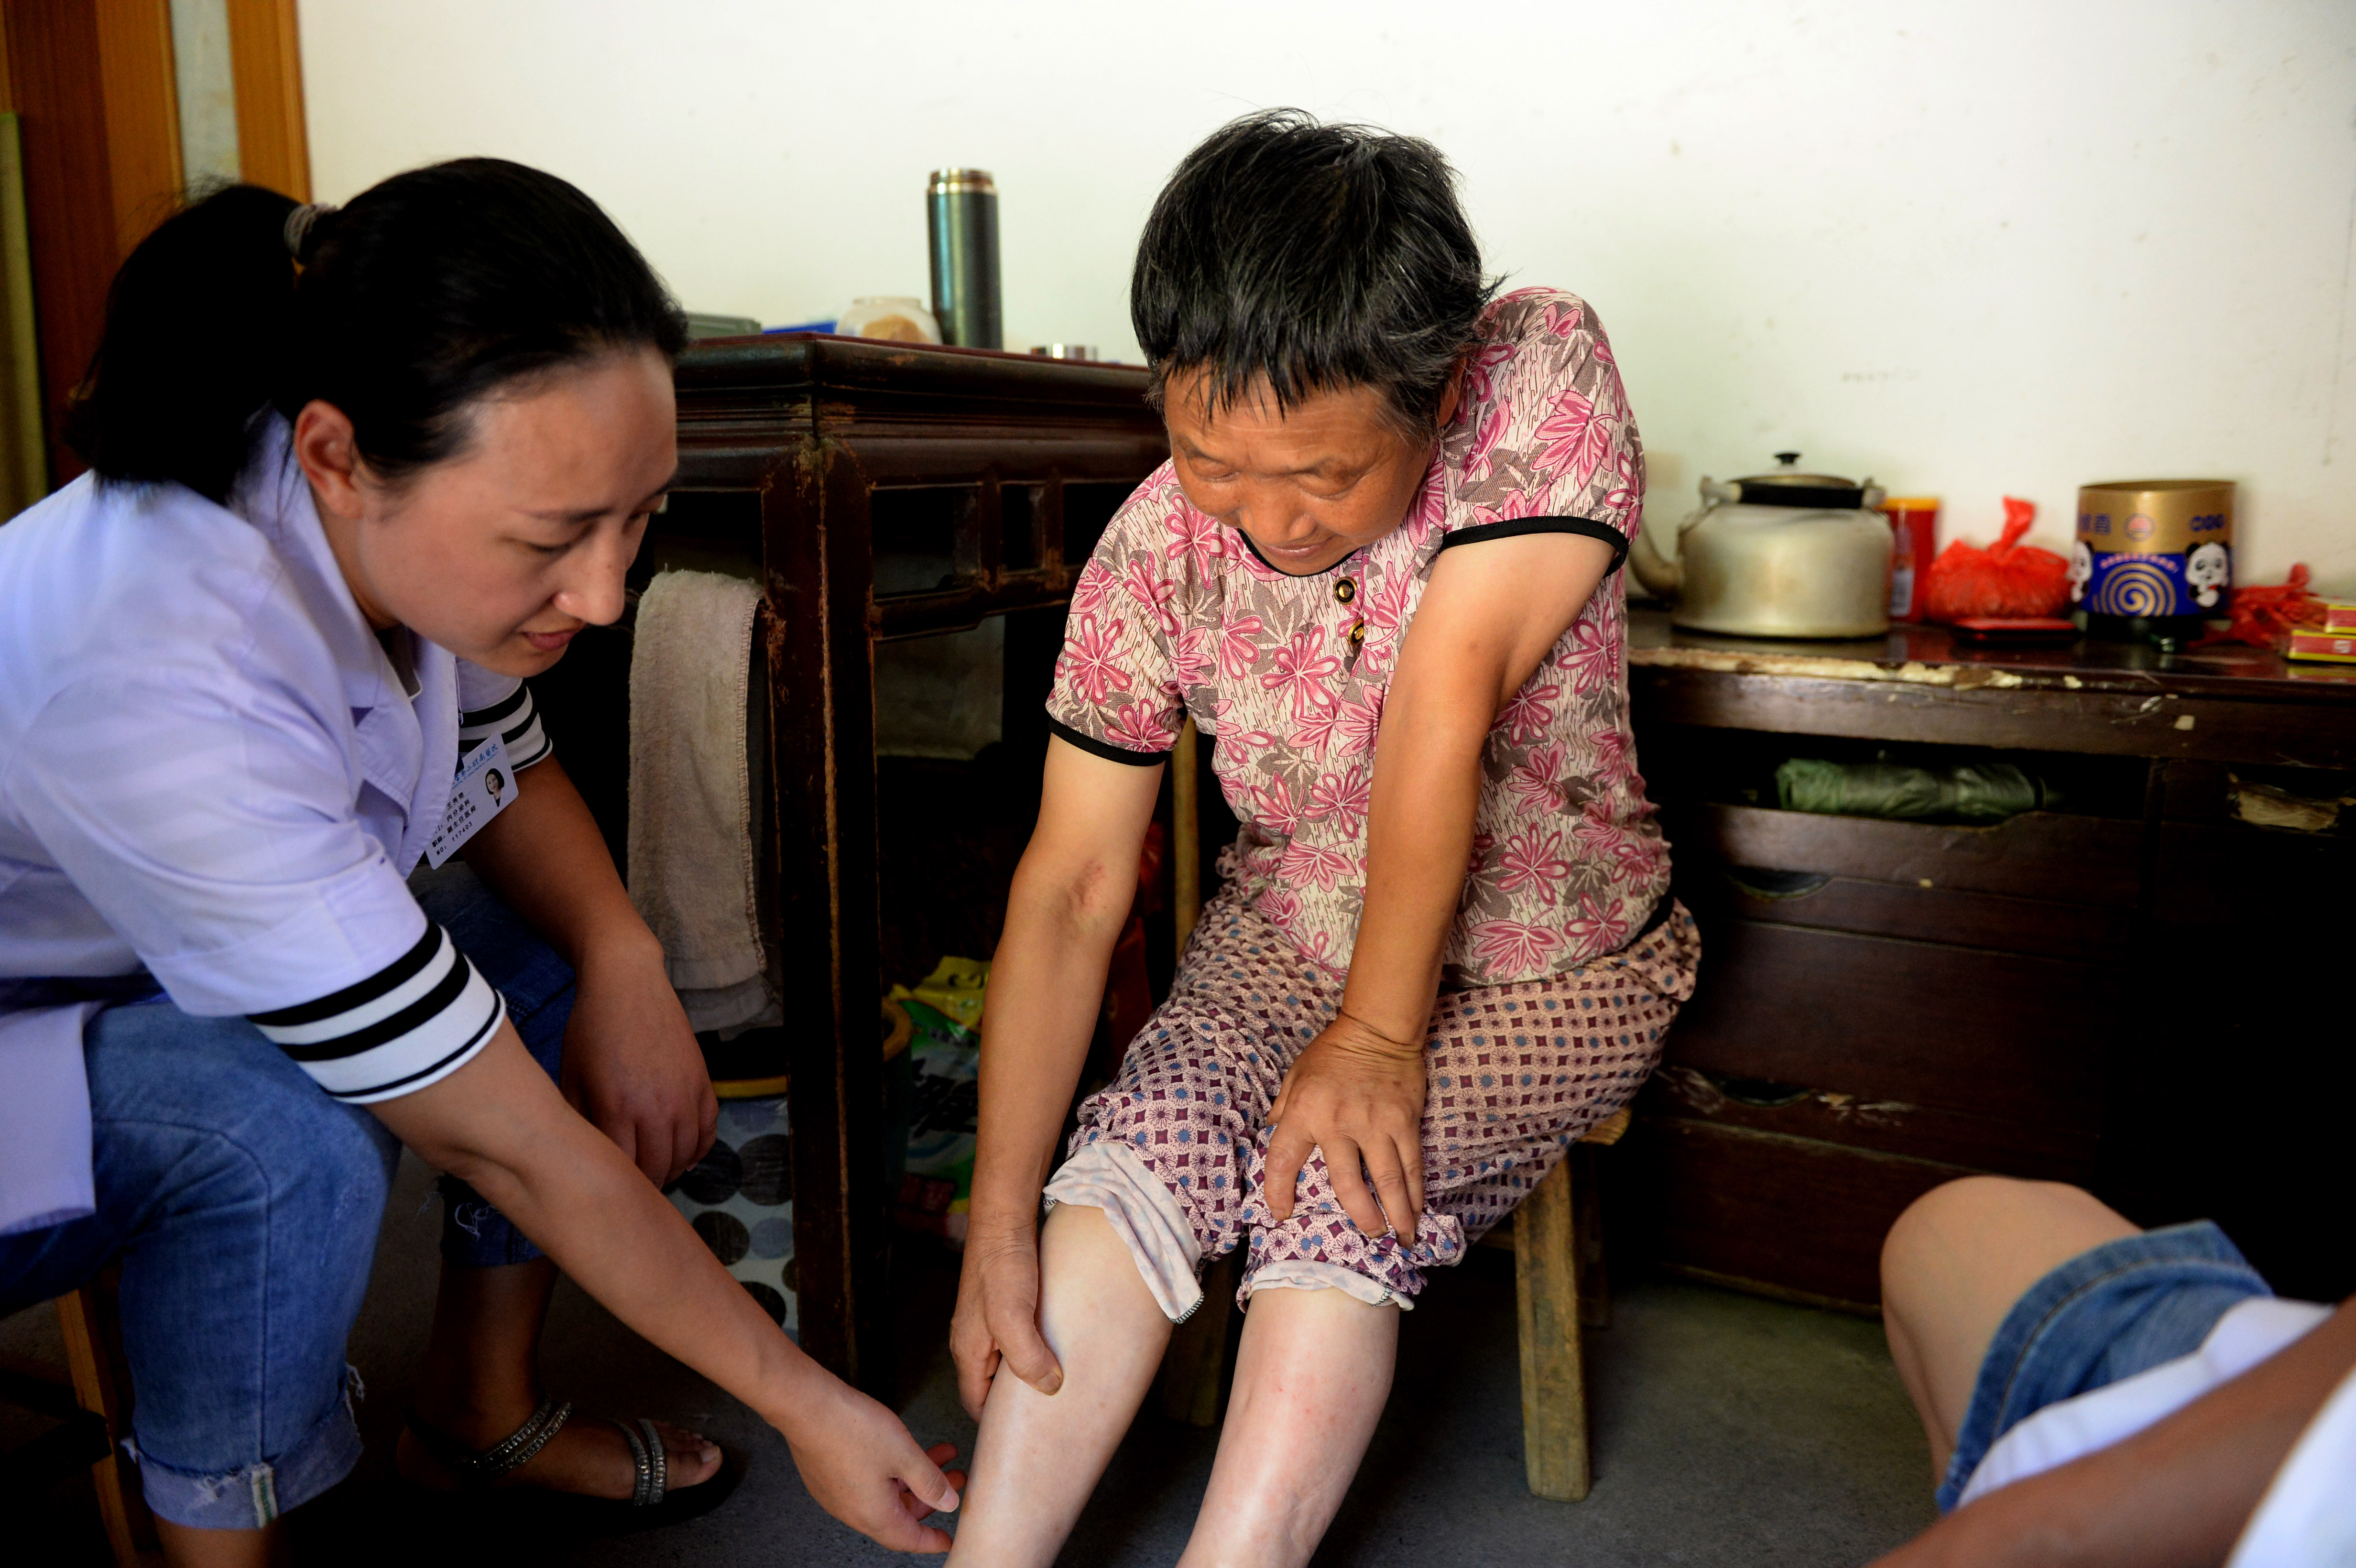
2113 1311
244 1203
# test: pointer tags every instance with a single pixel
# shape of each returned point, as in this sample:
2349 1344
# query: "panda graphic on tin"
2082 569
2208 569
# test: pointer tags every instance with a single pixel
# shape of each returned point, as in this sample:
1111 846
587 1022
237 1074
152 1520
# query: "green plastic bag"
1981 791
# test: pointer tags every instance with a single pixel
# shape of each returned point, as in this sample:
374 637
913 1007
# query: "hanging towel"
692 857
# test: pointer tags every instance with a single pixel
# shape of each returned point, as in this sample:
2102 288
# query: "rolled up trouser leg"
1514 1074
244 1203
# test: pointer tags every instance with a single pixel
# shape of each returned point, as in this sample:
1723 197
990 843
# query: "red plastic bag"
2007 579
2264 615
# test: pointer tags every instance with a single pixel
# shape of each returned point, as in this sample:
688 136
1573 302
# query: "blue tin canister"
2154 556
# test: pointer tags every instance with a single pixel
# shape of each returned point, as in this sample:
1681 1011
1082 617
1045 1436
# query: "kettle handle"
1714 494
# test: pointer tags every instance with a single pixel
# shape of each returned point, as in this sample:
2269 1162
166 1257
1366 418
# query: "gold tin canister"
2154 547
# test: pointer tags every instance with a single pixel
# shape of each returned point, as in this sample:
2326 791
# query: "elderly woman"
1380 571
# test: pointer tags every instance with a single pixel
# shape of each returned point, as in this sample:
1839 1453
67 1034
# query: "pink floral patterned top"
1175 614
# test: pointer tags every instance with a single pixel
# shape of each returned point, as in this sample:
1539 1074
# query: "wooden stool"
1556 1237
92 1405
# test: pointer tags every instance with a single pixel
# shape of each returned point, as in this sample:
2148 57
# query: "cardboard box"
2338 616
2332 647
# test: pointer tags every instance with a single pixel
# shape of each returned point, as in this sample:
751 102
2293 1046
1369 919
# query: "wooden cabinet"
874 490
2110 993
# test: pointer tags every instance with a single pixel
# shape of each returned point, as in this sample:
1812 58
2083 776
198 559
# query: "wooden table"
2140 989
878 490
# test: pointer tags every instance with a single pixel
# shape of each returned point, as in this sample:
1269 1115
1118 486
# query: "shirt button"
1357 632
1344 590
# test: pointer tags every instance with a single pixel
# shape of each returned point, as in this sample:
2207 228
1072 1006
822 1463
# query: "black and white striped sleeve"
410 1024
514 719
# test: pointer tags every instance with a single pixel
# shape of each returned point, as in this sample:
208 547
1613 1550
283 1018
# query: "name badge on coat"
486 787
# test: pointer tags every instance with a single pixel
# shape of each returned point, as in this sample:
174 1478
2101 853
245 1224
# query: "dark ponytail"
423 296
197 325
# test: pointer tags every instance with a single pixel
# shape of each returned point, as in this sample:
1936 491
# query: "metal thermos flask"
961 211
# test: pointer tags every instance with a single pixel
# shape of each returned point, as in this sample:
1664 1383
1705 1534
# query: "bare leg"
1952 1267
1038 1457
481 1381
1310 1380
186 1546
482 1357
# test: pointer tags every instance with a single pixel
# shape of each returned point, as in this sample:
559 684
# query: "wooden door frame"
94 85
273 146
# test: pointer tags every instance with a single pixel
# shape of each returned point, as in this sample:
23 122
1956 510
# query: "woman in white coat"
355 474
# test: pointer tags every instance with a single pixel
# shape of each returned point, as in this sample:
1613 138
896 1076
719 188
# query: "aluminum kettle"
1785 554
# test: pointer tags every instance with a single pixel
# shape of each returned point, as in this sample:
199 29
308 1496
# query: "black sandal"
477 1473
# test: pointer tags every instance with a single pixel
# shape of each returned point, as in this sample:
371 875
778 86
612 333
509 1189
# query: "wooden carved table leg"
818 564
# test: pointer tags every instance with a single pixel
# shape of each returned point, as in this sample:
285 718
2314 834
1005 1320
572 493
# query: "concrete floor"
1727 1430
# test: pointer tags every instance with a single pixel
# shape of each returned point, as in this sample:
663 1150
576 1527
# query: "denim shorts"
2109 1313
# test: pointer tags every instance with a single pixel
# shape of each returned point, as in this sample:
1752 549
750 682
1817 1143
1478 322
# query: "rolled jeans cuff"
475 1235
251 1497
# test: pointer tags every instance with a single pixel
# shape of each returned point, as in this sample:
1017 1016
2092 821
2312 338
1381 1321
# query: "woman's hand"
500 1125
1358 1096
632 1065
998 1315
862 1466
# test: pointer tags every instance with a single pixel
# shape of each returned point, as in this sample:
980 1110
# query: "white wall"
1970 248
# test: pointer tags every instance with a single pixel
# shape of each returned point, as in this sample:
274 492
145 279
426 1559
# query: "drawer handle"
1761 883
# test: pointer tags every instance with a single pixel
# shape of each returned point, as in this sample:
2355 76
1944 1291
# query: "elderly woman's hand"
1358 1096
997 1316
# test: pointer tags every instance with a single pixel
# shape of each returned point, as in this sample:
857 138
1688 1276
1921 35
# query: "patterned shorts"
1517 1074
